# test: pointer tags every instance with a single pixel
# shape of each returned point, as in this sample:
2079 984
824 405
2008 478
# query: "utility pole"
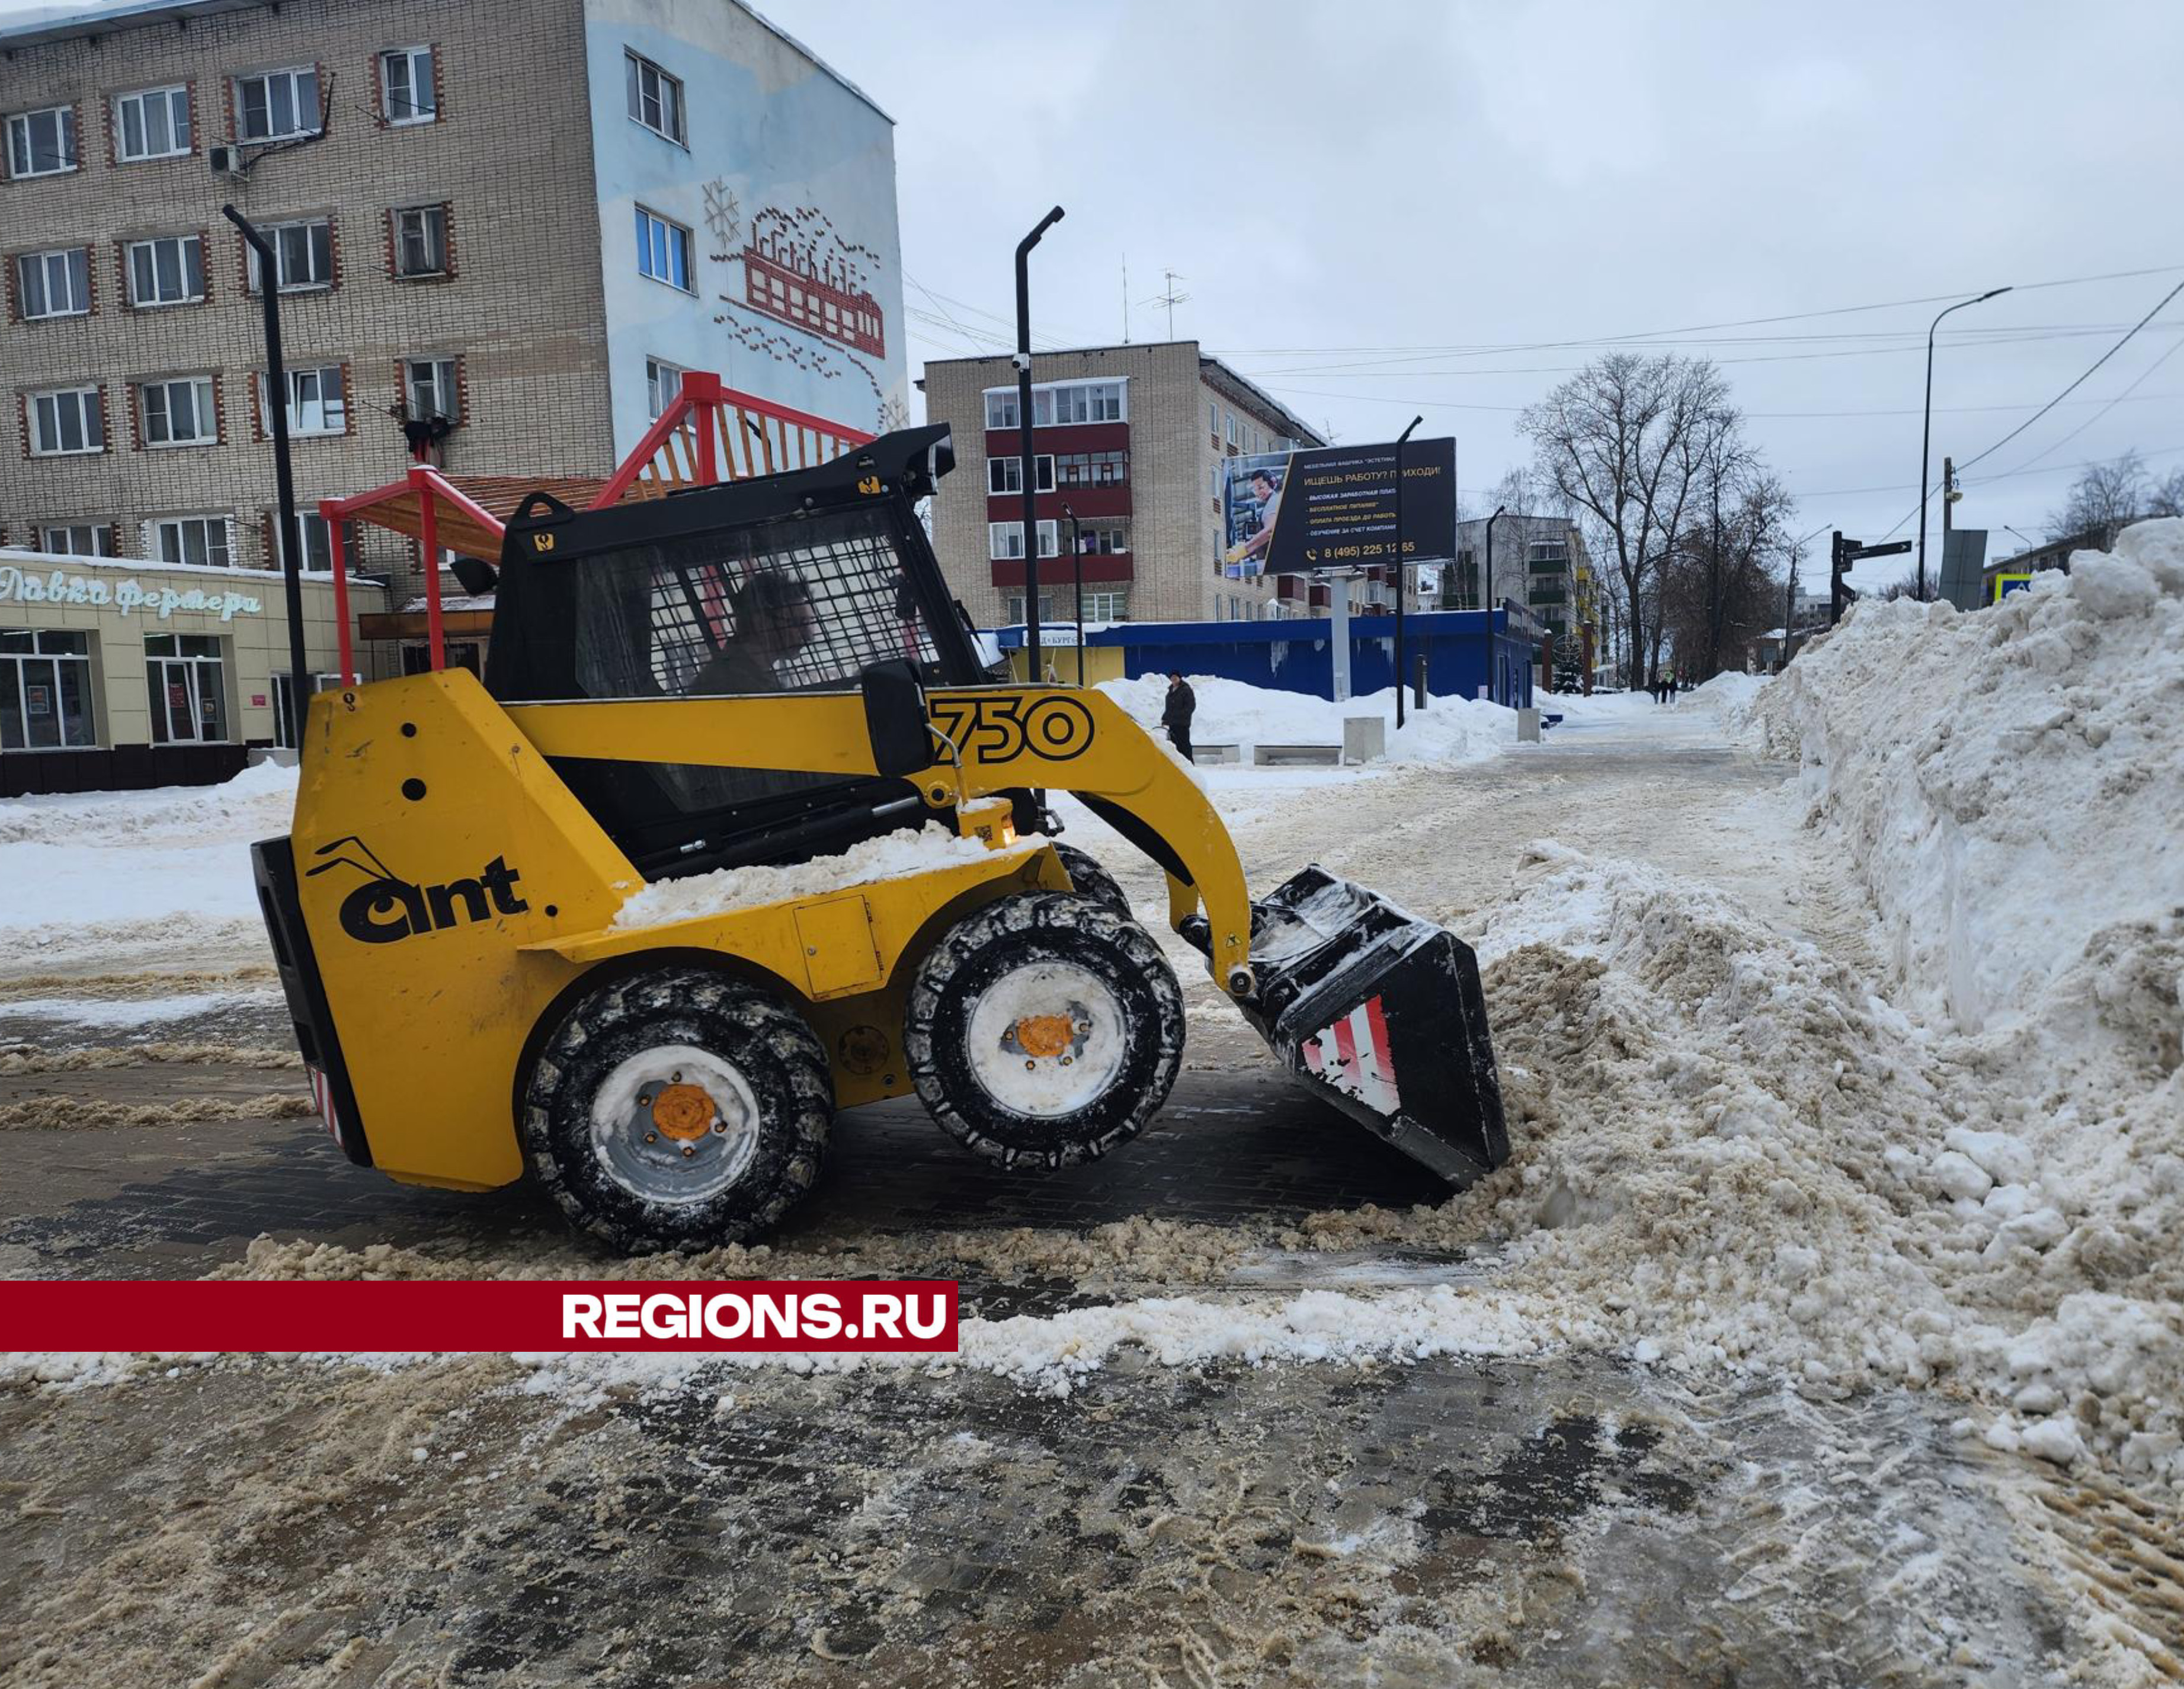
1486 596
1034 664
1949 496
1926 433
1402 574
1077 556
284 476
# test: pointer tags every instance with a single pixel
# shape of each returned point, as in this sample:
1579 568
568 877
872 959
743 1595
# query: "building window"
303 254
54 284
316 551
1046 609
1092 469
45 690
166 271
662 382
1549 551
663 250
1103 541
283 684
77 539
1005 540
1006 474
432 390
178 412
280 105
187 681
1001 409
656 98
420 241
406 89
70 420
1111 605
317 403
42 142
154 123
198 541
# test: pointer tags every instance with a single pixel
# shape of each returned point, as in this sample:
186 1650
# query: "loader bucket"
1381 1014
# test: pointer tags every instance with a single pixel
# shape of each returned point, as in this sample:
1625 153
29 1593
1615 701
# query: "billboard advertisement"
1334 507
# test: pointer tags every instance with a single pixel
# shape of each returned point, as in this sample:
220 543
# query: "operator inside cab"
774 620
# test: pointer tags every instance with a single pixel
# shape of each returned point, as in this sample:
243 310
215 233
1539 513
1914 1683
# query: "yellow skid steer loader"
757 704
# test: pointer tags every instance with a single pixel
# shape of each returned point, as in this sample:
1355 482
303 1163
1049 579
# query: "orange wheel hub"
1044 1034
683 1112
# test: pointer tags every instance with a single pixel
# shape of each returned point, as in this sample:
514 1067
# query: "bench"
1214 753
1279 755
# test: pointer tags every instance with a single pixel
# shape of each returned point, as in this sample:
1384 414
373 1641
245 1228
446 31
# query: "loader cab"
792 583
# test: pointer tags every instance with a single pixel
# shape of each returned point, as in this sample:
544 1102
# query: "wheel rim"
1046 1039
675 1123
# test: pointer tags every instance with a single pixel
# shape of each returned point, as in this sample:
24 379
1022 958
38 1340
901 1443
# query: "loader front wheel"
677 1108
1044 1029
1088 874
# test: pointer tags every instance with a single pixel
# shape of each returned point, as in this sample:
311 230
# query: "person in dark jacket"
1176 714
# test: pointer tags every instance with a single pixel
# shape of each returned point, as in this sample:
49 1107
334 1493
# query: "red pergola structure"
708 433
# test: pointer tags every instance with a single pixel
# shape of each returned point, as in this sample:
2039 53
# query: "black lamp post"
1077 557
1926 432
1487 598
1401 573
1034 666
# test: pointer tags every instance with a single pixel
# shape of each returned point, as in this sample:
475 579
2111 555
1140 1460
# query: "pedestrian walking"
1176 713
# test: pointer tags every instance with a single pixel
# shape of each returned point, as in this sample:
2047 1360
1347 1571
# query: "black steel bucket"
1381 1014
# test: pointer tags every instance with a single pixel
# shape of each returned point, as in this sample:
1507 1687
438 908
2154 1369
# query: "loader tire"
1044 1029
677 1108
1090 877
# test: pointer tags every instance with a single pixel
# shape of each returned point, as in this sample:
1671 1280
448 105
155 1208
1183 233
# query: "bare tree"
2104 497
1623 439
2167 498
1719 587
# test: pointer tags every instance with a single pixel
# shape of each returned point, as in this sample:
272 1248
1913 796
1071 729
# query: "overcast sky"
1380 208
1362 199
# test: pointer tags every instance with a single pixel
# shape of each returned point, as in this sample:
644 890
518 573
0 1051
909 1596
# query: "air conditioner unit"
225 160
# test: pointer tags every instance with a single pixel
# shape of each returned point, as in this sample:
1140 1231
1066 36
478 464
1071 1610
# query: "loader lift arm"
992 740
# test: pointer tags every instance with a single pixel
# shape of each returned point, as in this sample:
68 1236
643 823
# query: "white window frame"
189 270
278 234
659 234
1057 404
85 401
308 523
74 265
1107 604
1001 408
22 150
294 77
664 112
282 680
1001 535
203 674
173 110
662 382
204 411
216 535
432 227
445 374
35 657
59 539
424 90
311 413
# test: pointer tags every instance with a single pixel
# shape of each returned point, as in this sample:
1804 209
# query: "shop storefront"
116 674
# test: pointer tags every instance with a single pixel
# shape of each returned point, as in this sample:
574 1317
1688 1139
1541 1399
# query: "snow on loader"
763 673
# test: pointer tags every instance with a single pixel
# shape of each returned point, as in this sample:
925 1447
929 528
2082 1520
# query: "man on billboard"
1266 490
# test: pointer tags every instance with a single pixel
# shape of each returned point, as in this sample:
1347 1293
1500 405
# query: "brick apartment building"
1130 437
525 218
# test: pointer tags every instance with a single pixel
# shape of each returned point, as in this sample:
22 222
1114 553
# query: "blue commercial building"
1465 650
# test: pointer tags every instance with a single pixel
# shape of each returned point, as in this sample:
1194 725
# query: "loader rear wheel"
1044 1029
1088 876
677 1108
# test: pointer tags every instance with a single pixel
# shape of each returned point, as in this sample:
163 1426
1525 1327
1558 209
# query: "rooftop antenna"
1171 299
1126 299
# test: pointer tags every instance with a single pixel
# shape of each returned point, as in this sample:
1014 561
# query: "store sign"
127 595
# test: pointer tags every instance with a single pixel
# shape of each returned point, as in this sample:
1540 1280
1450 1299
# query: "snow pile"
1732 697
124 879
894 855
1729 1154
2011 783
1447 733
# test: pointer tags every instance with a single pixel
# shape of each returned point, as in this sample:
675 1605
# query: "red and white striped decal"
322 1094
1354 1055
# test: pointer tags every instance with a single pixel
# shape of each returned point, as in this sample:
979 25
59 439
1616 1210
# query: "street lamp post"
1033 665
1926 432
1486 596
1401 573
1077 557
